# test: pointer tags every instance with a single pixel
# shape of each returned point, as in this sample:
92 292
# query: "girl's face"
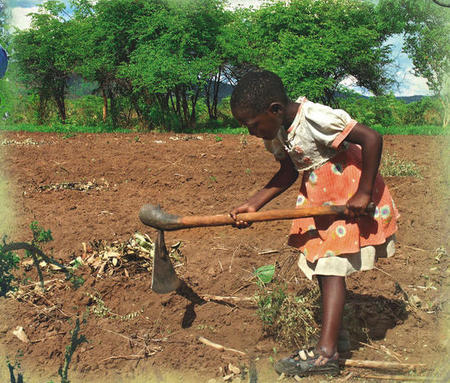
264 125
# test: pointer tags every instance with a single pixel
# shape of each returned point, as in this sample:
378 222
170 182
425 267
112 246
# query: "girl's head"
259 102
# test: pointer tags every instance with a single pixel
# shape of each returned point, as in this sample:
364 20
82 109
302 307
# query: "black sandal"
308 362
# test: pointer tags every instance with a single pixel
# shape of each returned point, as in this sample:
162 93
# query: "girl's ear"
276 108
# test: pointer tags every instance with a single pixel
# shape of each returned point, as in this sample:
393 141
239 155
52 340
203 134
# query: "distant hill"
78 88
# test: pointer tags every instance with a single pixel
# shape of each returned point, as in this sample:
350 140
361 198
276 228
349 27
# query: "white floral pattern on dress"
300 200
341 231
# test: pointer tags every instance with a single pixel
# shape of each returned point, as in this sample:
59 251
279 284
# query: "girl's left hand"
357 205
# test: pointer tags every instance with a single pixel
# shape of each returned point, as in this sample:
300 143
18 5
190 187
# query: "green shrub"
8 263
86 110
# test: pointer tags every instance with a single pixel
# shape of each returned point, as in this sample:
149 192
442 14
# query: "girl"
339 159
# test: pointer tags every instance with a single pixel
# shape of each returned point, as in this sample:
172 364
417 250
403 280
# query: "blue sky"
408 84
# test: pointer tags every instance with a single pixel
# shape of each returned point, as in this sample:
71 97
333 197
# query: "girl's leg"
333 299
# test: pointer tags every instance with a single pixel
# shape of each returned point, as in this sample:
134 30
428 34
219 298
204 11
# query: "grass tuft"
391 166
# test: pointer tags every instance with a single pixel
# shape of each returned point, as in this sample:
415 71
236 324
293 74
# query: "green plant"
12 376
218 138
75 341
392 166
102 311
8 262
291 319
269 304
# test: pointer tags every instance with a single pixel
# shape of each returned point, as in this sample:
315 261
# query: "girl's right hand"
245 208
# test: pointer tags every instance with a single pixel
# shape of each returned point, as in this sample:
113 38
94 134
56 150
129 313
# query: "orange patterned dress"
331 168
333 184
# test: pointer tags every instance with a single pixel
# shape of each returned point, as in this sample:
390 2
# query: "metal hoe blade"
164 278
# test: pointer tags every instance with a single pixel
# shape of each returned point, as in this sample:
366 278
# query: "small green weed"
12 375
213 179
75 341
391 166
102 311
289 318
218 138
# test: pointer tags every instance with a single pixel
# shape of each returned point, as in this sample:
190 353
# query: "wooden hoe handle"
154 216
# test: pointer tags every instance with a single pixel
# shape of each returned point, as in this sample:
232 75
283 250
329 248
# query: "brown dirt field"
202 174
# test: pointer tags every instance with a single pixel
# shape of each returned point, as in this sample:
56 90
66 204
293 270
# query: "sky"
408 84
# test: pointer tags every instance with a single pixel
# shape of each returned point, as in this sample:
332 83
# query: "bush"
86 110
8 262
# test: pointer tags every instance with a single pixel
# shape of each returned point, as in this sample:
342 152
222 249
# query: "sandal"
308 362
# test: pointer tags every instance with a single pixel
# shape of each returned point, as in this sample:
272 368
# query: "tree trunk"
105 105
58 96
445 117
42 108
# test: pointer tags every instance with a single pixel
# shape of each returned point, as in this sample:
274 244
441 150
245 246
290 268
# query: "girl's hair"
256 90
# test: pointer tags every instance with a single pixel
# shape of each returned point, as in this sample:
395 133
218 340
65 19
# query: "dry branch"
219 347
379 364
403 378
208 298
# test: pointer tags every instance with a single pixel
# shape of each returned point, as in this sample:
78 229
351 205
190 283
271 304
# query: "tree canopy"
158 59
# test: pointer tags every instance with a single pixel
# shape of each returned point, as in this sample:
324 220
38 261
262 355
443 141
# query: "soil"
89 188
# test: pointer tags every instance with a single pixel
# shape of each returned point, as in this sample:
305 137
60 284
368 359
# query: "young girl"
339 158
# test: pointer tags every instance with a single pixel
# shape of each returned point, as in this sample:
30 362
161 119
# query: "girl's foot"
308 362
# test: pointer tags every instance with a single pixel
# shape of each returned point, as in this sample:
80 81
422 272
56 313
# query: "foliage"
290 318
12 376
426 28
269 302
8 262
163 69
44 58
75 341
314 44
265 273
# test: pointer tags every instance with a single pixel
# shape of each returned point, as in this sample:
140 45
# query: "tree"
426 28
43 60
314 44
176 54
3 24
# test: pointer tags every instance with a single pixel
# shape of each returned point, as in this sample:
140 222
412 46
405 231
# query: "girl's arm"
371 143
281 181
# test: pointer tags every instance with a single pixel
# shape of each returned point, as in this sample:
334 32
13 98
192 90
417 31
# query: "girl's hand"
357 205
245 208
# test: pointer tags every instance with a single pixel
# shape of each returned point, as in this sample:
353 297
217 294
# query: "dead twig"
50 336
383 349
266 252
416 248
209 298
129 357
403 378
379 364
219 347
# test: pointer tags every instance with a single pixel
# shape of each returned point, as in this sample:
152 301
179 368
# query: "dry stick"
208 298
403 378
384 349
416 248
219 347
378 364
129 357
46 338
